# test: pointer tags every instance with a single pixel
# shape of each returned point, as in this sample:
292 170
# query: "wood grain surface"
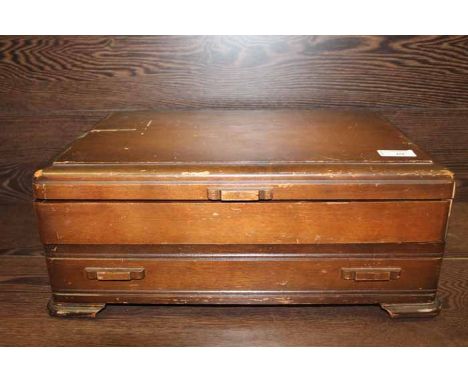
242 222
24 293
89 73
31 141
53 89
19 234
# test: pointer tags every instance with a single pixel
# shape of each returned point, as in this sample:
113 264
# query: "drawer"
249 274
257 222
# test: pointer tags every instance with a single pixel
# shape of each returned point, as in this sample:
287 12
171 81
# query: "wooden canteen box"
243 207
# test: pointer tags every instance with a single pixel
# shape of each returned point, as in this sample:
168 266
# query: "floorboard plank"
146 72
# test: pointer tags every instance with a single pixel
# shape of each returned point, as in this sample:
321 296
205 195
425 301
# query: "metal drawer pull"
231 195
115 274
370 274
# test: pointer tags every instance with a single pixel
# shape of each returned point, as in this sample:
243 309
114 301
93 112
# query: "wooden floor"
24 320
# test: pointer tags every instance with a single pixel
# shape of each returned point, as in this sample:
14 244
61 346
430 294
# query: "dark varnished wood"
239 276
247 274
284 154
258 188
31 138
19 235
243 137
418 82
241 222
58 309
105 72
428 309
30 141
440 132
25 321
24 292
292 189
235 250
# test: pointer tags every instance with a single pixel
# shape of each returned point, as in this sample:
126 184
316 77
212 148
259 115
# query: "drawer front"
242 275
263 222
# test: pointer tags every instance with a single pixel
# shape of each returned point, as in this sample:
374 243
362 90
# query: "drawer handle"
370 274
115 274
232 195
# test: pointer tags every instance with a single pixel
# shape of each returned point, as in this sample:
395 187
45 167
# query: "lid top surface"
239 137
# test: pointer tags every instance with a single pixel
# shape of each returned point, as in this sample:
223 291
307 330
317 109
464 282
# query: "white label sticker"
396 153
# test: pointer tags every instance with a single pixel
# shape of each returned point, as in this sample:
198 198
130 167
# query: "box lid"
243 155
